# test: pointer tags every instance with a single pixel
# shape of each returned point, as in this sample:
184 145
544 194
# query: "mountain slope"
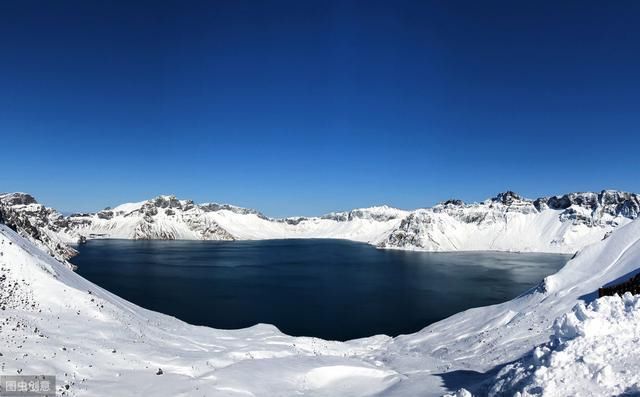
509 222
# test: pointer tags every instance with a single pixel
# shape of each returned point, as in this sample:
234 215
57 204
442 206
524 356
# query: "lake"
333 289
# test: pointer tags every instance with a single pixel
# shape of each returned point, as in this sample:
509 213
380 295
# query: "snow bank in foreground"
594 351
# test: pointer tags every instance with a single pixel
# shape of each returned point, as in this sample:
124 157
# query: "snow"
251 227
594 352
128 207
56 322
504 223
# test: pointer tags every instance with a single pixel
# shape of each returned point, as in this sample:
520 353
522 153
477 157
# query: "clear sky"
304 107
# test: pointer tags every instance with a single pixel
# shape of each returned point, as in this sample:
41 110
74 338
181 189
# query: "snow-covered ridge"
167 217
506 222
509 222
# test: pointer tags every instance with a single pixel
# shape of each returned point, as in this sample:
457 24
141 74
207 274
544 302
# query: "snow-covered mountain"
166 217
506 222
509 222
53 321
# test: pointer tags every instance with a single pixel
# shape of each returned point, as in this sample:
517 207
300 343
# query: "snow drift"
594 351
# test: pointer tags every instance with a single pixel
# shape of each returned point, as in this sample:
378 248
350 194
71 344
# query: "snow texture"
594 351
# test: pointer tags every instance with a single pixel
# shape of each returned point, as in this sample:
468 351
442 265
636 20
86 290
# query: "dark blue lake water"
332 289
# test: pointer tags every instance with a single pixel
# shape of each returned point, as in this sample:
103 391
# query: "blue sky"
304 107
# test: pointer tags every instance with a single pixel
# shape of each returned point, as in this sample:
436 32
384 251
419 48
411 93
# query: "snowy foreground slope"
55 322
594 351
506 222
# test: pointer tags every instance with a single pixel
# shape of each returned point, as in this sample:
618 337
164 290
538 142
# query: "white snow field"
55 322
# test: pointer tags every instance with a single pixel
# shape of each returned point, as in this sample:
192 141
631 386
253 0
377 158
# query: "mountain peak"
453 202
166 201
507 197
17 198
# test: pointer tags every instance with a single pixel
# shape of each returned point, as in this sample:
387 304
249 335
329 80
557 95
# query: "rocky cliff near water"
44 226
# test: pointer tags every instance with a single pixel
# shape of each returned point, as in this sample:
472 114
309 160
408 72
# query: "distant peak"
164 197
167 201
18 198
507 197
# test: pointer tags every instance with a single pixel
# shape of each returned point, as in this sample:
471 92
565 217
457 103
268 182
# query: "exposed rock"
213 207
105 214
507 197
43 226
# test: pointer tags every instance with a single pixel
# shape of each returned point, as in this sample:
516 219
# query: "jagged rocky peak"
17 199
583 199
507 198
624 203
453 203
164 202
610 202
167 201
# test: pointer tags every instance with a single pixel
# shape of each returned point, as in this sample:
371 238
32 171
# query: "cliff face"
44 226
